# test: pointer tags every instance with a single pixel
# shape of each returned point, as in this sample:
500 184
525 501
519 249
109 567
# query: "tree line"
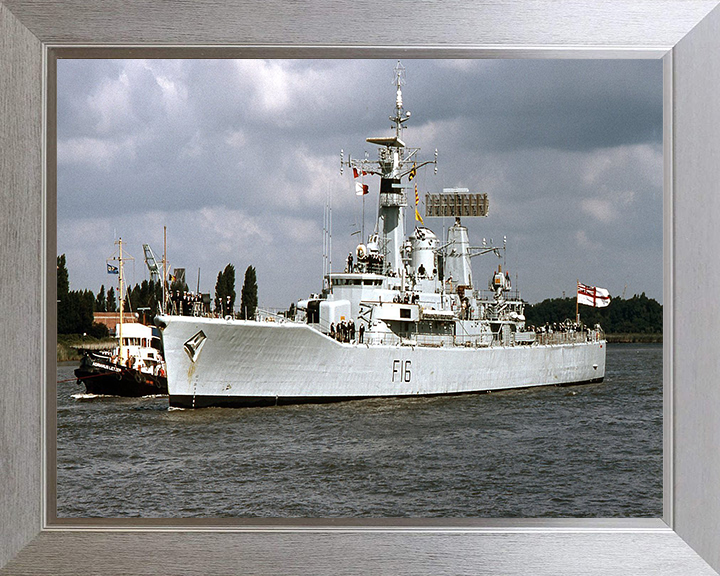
75 308
636 315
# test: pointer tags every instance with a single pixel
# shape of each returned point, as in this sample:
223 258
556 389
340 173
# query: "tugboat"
135 367
403 319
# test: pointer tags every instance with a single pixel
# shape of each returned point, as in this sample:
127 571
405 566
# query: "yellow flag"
418 217
413 173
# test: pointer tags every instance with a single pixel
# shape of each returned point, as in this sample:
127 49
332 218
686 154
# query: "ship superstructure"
403 318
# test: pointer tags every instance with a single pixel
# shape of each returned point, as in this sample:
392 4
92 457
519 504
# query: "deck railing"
569 337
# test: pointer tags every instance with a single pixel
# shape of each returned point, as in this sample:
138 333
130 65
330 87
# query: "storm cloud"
238 157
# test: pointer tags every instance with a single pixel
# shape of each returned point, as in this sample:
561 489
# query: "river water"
582 451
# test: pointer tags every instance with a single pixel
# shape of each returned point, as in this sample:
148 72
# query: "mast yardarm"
395 161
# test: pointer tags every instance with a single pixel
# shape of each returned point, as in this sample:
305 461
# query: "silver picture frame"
684 33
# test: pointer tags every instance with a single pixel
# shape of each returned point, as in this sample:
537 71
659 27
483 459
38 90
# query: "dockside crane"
152 263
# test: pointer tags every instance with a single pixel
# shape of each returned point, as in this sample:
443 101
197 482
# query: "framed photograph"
682 34
542 165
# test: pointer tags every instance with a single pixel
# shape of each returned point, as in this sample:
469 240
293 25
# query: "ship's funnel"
457 263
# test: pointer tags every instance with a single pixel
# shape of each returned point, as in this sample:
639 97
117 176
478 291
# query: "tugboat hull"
116 381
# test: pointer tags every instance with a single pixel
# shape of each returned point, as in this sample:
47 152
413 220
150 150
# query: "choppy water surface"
593 450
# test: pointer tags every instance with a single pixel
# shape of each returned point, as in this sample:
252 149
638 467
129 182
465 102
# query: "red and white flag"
357 172
361 189
592 296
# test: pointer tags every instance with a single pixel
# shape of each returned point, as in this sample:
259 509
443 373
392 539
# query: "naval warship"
403 319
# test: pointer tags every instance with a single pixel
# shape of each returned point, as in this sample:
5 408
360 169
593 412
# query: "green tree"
249 294
111 300
224 287
147 294
219 284
63 278
86 303
157 296
74 307
636 315
101 300
128 306
63 289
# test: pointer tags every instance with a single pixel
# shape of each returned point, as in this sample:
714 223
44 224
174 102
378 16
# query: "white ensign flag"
592 296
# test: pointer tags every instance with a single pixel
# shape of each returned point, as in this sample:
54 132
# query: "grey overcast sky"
236 158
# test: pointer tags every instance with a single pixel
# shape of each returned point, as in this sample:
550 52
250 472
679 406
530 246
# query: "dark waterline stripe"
189 401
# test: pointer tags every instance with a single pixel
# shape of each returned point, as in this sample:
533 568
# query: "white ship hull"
237 363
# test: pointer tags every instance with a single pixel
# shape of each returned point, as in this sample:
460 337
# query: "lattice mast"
395 162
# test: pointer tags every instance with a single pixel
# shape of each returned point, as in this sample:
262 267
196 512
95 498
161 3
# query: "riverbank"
67 345
634 338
